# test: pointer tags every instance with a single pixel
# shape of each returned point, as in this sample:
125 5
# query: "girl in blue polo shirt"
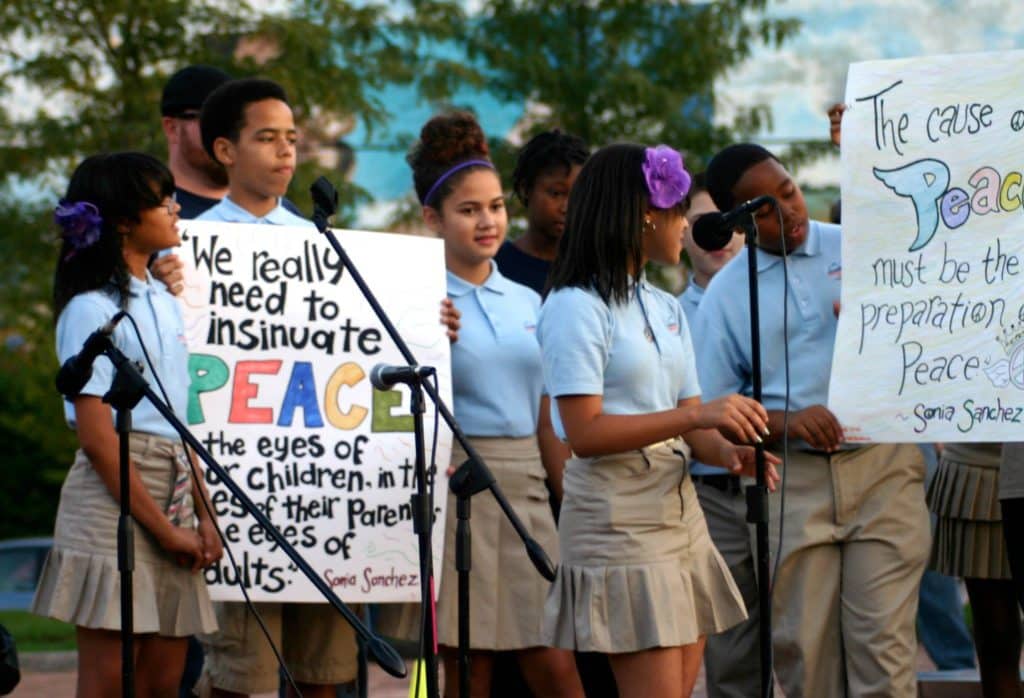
119 210
497 384
640 579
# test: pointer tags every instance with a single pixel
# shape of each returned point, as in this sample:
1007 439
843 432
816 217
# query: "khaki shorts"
317 645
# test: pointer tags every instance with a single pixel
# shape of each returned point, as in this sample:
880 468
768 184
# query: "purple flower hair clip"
80 223
667 180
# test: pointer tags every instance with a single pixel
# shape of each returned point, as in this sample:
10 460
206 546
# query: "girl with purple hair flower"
640 579
119 210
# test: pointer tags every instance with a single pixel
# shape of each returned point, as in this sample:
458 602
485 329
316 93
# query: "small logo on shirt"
530 326
673 327
835 271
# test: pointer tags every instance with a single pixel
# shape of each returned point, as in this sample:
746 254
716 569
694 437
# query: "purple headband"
452 170
80 223
667 180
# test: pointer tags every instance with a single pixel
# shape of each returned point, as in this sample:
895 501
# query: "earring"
652 224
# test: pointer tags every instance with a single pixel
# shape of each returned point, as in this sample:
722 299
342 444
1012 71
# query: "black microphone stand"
423 526
129 387
122 397
325 203
757 494
471 477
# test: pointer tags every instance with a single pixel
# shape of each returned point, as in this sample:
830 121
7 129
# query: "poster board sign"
281 347
930 343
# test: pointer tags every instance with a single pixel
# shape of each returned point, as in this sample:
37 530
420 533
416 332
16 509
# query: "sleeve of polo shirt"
80 318
720 363
690 386
535 304
574 333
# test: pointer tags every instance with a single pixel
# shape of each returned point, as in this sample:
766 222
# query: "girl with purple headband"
118 211
497 395
640 579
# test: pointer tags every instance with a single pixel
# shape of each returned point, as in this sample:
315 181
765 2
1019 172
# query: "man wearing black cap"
201 181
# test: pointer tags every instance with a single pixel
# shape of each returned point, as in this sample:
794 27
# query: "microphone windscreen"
377 380
711 232
325 196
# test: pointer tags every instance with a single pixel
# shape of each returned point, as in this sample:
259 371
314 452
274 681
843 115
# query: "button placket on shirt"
493 319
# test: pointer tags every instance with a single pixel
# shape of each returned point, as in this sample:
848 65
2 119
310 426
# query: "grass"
34 633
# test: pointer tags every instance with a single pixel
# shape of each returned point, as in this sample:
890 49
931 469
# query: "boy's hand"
835 122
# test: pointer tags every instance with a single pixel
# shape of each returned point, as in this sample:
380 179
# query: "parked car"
21 563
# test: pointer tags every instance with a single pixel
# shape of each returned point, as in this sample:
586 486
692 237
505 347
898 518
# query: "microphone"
325 201
713 231
77 370
384 377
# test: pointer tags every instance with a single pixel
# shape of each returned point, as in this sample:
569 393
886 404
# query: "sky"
382 170
805 76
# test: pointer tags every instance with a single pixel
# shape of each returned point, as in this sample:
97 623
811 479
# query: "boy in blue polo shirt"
856 532
248 127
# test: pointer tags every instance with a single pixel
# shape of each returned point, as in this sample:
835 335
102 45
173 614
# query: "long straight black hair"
603 239
120 186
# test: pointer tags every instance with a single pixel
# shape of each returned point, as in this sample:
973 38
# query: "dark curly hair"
120 186
223 113
698 184
546 152
445 141
727 167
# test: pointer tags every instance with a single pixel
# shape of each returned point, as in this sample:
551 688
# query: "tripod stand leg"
126 556
423 516
463 564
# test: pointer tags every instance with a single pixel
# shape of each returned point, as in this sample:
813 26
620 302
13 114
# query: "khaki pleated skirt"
507 593
80 582
964 496
638 567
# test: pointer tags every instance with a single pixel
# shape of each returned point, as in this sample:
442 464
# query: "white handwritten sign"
930 344
282 344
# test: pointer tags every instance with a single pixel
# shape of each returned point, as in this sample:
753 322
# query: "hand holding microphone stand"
713 231
128 388
472 477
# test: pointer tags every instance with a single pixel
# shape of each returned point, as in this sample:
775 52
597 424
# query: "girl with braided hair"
545 170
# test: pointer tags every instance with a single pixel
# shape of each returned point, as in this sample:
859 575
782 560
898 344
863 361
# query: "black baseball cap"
189 88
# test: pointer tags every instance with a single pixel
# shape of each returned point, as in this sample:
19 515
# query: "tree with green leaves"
611 70
98 67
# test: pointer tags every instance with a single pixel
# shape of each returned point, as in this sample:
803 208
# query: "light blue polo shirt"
690 299
163 332
723 323
636 355
230 212
496 369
